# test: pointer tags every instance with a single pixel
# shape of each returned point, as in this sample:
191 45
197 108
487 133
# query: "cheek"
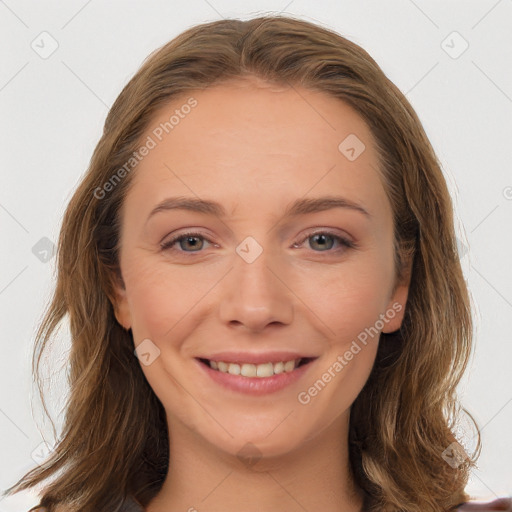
350 306
160 297
347 299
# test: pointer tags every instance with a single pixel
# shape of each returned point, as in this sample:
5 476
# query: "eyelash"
345 242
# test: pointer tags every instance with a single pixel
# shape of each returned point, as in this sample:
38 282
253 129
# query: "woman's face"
290 261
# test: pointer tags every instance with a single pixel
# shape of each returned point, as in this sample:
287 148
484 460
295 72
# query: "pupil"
322 240
192 240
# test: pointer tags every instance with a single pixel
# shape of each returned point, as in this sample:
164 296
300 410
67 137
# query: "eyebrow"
298 207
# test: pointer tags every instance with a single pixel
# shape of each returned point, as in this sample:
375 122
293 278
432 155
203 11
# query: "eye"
325 240
192 240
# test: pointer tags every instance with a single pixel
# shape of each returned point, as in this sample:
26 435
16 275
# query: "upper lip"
256 358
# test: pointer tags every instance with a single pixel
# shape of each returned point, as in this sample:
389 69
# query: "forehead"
248 140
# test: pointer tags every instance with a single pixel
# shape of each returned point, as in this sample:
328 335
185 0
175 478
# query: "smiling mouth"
257 370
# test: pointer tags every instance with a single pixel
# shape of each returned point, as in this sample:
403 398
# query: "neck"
315 476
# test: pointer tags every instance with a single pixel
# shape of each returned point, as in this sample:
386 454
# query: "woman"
264 293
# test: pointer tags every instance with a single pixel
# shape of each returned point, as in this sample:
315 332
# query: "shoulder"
131 504
503 504
57 508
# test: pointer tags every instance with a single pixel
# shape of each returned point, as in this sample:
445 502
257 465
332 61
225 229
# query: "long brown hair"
114 440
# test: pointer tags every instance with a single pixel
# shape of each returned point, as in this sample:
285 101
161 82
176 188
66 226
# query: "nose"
255 295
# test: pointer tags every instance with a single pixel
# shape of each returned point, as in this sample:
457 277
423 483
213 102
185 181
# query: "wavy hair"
114 439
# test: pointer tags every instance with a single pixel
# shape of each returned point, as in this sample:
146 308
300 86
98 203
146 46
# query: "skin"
256 148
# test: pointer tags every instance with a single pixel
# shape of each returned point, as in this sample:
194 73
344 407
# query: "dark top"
503 504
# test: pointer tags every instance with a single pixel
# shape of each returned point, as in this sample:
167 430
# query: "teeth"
234 369
255 370
289 366
267 370
278 368
249 370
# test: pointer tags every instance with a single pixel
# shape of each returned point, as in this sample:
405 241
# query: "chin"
255 439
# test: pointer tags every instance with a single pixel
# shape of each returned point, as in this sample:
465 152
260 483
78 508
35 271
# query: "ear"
395 309
120 302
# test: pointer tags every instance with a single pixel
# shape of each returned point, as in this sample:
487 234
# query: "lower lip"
255 385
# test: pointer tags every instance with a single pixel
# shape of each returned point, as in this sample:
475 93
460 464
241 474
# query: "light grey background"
52 112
